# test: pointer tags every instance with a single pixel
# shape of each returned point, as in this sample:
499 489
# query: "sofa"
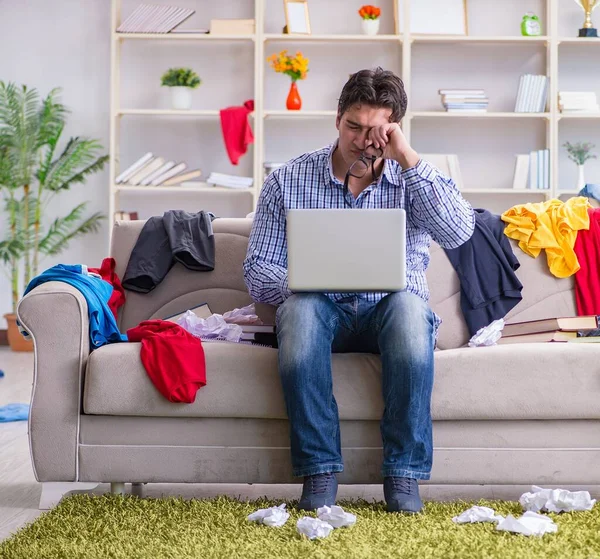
506 415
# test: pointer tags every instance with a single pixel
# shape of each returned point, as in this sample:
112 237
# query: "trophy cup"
588 6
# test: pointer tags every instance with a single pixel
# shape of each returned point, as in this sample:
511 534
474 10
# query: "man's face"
354 126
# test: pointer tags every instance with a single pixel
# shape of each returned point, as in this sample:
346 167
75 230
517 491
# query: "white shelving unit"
547 46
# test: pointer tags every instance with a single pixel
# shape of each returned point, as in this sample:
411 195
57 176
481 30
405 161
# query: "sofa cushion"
521 381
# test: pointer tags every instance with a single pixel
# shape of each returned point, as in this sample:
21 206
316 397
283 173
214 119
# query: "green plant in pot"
579 153
33 170
181 81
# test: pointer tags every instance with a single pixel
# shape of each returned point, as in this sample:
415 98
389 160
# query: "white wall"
66 43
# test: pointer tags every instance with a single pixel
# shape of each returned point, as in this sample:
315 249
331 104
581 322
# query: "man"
399 326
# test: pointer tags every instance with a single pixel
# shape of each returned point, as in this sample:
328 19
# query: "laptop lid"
339 250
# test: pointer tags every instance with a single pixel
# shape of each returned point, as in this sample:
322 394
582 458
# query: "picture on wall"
435 17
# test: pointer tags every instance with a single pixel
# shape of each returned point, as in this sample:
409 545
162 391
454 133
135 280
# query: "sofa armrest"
56 316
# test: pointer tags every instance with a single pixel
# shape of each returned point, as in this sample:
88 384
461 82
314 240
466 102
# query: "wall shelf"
473 114
280 37
477 39
177 189
167 112
182 37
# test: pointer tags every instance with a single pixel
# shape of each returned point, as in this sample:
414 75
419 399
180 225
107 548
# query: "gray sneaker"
318 491
402 494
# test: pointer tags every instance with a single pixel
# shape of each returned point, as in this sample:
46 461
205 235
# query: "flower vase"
581 177
181 98
293 102
370 26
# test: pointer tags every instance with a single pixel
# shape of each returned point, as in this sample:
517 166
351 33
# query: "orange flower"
369 12
296 67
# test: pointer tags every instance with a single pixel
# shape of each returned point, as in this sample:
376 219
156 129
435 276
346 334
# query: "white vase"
581 177
370 26
181 97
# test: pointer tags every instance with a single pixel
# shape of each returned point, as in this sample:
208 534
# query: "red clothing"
172 357
237 133
107 273
587 278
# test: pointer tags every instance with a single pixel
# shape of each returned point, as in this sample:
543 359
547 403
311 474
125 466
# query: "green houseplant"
33 170
579 153
181 81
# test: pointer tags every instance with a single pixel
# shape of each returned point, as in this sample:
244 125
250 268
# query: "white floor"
20 492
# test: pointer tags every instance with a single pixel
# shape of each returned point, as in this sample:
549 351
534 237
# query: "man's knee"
406 311
303 308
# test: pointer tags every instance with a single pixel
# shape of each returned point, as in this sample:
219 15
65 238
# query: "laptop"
346 250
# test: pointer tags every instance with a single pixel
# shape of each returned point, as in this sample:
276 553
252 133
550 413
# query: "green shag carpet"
129 527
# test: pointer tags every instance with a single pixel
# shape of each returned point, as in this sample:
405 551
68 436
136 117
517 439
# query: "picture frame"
297 20
435 17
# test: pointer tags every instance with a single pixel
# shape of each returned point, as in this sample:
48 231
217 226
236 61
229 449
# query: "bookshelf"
426 63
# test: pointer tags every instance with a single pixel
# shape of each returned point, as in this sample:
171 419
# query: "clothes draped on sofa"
172 357
550 225
177 236
97 293
587 278
237 132
108 274
485 266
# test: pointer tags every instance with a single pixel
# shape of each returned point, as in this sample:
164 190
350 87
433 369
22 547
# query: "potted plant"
296 67
370 19
32 174
181 81
579 153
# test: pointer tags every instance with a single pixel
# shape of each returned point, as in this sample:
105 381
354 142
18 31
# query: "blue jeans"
400 327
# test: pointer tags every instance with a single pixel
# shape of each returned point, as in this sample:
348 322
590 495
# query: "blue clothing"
399 327
485 266
434 208
97 292
590 191
14 412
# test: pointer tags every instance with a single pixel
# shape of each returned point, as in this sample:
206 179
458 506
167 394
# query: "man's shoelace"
403 485
320 483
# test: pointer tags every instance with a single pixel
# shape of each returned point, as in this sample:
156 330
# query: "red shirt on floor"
587 278
172 357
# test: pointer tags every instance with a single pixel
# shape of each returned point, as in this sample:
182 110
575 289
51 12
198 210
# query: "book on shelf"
146 170
539 169
564 323
162 169
125 216
201 311
231 26
456 100
537 337
182 177
199 31
168 174
532 94
521 176
131 170
578 101
447 164
229 181
150 18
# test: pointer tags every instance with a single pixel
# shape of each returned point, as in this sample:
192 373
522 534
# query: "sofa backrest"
223 289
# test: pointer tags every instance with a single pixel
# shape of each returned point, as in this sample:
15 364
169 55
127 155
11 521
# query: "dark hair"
378 88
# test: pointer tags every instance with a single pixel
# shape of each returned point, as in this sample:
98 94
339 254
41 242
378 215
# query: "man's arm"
265 266
437 206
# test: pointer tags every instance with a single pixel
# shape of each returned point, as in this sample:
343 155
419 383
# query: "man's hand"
391 140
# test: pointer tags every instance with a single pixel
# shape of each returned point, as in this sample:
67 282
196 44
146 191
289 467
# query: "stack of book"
564 329
150 170
459 100
149 18
577 102
532 170
532 94
229 181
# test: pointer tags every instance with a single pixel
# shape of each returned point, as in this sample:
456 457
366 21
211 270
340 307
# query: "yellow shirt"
550 225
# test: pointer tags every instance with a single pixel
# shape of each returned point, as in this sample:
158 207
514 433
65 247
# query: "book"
586 340
565 323
254 328
145 171
183 177
162 169
130 171
201 311
168 174
521 171
552 336
149 18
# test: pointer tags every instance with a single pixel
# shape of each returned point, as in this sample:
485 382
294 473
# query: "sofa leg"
137 489
54 491
117 488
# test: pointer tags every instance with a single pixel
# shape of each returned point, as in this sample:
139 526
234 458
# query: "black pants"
177 236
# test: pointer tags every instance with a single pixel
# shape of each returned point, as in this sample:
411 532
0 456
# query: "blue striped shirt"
434 209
